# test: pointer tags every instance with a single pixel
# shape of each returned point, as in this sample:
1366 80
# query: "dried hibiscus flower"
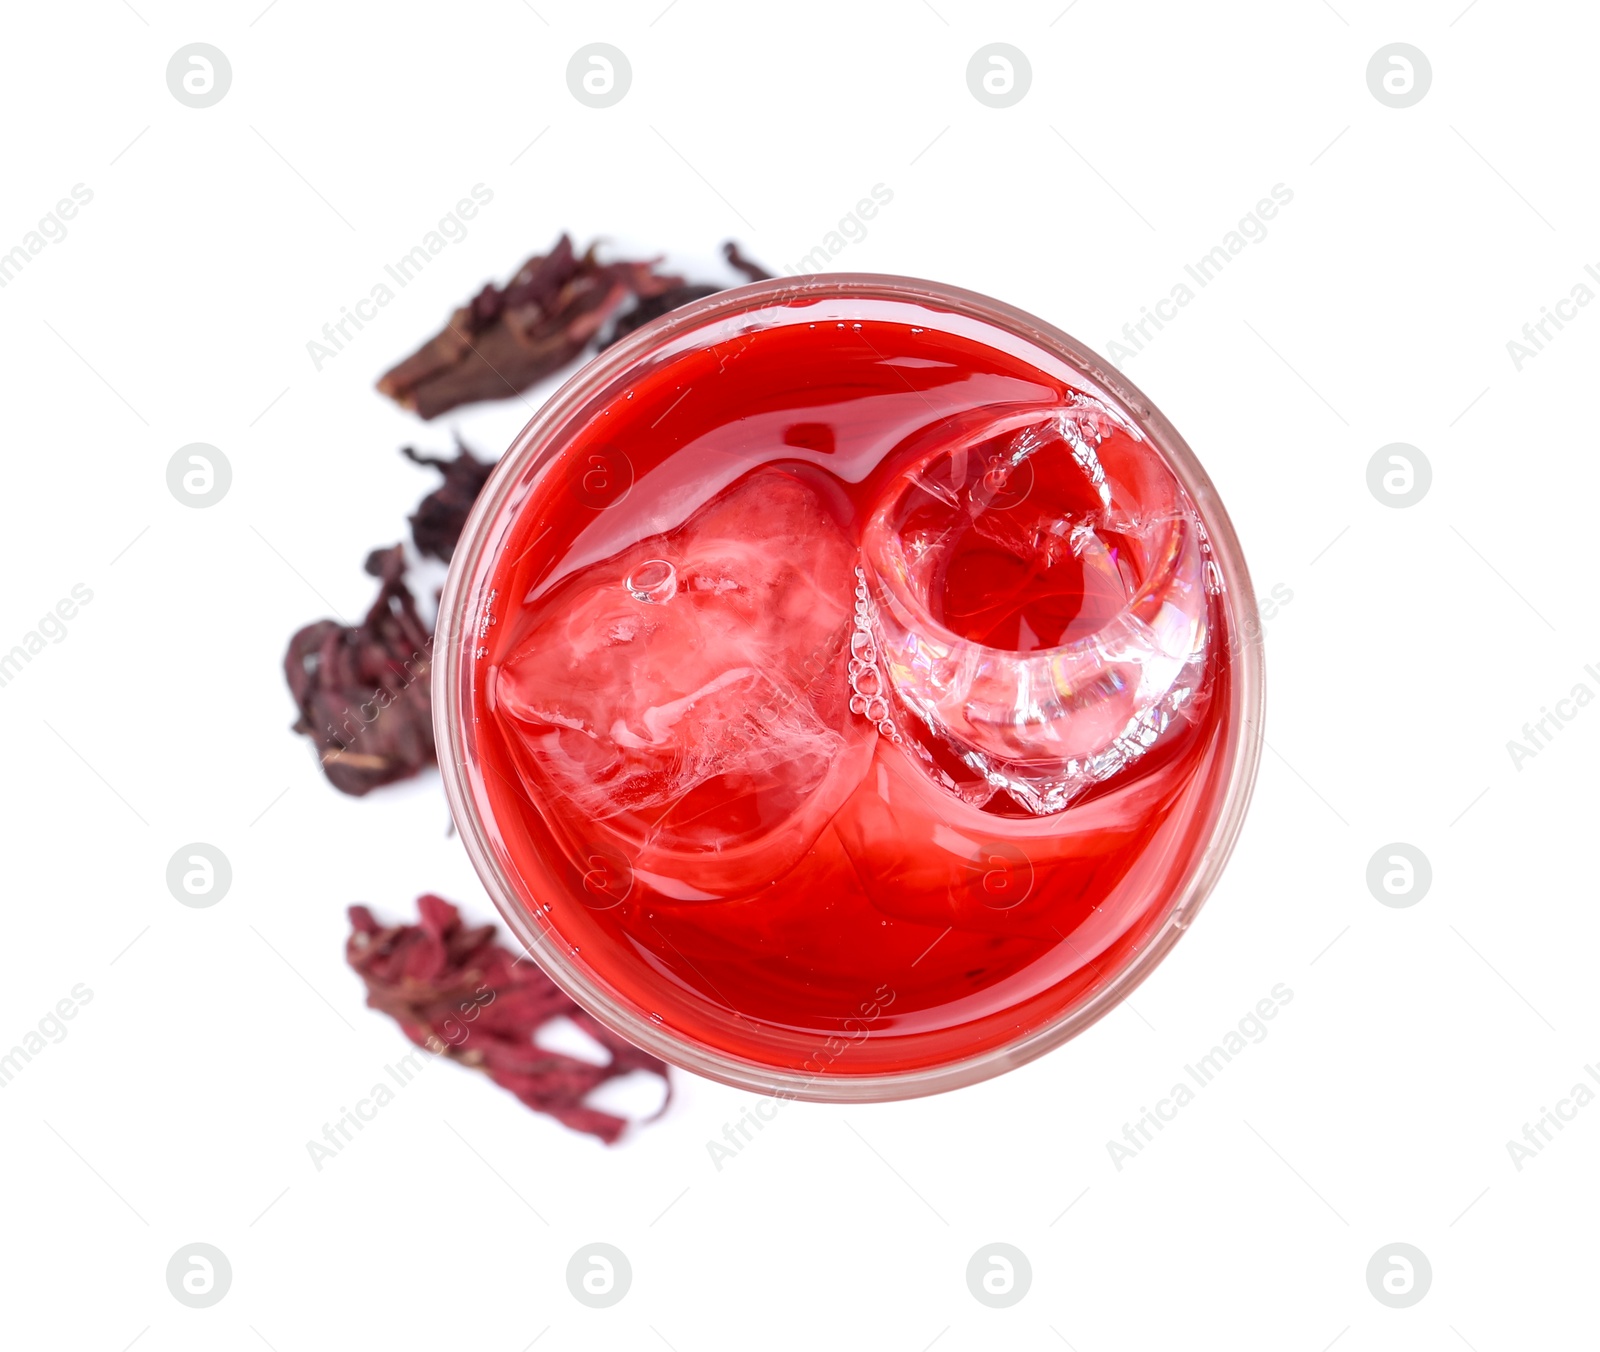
458 993
437 523
508 338
362 689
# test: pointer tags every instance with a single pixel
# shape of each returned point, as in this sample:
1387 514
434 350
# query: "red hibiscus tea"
848 687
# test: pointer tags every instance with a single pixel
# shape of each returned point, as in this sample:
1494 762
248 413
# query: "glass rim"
545 434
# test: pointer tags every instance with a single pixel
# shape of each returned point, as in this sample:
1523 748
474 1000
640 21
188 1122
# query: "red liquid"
703 823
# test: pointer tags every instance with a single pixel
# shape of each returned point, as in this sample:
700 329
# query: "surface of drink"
764 844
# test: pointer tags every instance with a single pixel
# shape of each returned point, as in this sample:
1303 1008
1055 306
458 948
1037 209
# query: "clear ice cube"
688 694
1040 593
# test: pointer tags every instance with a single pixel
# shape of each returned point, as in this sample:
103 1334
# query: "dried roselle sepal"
508 338
437 523
363 689
536 283
458 993
541 275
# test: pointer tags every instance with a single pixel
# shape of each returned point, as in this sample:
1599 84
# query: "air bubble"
655 582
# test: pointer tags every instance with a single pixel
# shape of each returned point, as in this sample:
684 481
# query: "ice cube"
687 696
1041 606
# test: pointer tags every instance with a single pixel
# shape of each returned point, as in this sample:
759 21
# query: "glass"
847 687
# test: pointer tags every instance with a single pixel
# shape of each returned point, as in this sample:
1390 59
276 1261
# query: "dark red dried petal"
455 991
508 338
363 689
437 523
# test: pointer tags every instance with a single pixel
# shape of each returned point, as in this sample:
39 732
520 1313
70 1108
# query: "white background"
1417 642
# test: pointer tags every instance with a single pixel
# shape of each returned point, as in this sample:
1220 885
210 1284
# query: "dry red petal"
457 992
508 338
362 689
437 523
